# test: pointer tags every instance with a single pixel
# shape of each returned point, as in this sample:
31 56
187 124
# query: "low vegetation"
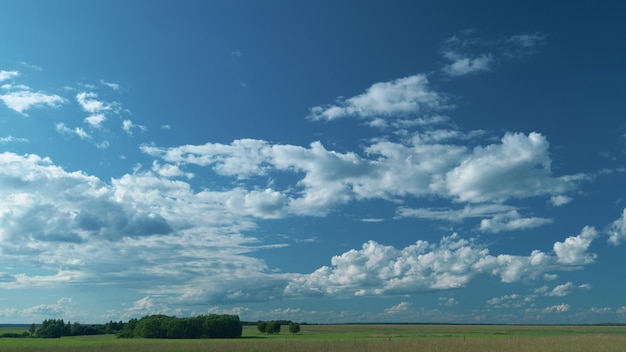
353 337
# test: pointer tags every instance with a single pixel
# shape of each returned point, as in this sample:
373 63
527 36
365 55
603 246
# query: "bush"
294 328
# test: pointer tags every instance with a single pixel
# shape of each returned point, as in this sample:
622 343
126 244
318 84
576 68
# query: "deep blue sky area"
327 161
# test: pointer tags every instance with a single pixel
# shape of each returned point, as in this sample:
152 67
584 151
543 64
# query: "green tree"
32 329
51 328
294 328
261 326
272 327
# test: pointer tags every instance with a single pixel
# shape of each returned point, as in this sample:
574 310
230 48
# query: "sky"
318 161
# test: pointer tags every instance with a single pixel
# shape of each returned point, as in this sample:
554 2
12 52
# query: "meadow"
357 337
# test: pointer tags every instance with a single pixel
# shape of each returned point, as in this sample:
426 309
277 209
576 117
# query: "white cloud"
573 251
560 308
561 290
4 75
519 167
410 95
401 307
96 120
114 86
91 105
511 221
169 170
61 306
22 100
376 269
454 215
63 129
462 65
129 126
11 139
512 301
448 301
468 54
617 230
558 200
134 232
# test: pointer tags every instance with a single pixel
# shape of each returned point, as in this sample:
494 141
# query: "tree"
32 329
261 326
51 328
294 328
272 327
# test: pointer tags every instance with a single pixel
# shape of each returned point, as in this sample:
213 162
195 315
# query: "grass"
362 338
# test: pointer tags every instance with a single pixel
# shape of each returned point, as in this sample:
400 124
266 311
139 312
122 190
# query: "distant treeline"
150 326
203 326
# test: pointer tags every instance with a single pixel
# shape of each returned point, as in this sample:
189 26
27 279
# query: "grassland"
361 338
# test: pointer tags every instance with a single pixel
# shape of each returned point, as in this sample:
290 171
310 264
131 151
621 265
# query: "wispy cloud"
5 75
511 221
469 54
114 86
11 139
77 131
129 126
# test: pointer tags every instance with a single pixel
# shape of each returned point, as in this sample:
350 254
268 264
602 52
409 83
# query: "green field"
362 338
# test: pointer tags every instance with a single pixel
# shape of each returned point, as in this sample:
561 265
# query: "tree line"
55 328
150 326
167 327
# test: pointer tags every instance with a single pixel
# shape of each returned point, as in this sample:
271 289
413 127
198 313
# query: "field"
362 338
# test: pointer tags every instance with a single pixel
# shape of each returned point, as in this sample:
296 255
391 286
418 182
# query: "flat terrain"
362 338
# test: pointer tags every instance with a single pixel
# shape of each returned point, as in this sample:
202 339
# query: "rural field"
362 338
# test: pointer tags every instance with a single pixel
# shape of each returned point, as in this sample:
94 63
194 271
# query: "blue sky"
355 161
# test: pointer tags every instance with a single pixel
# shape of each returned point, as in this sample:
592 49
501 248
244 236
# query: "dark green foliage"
203 326
294 328
15 334
271 327
51 328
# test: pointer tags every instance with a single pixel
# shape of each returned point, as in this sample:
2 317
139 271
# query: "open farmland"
363 338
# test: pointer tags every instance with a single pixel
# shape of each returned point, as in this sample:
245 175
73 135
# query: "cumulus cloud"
518 167
559 308
89 103
573 251
512 301
401 307
138 230
377 269
96 120
561 290
410 95
511 221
